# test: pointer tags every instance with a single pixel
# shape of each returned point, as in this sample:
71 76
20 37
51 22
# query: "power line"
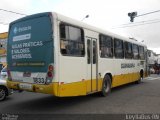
148 13
144 22
139 22
137 25
12 12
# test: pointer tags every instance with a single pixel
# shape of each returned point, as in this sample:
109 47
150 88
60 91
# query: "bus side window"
118 48
106 46
141 52
128 50
71 40
135 51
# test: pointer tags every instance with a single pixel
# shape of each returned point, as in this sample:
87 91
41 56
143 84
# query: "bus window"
118 48
71 40
106 46
141 52
135 51
128 50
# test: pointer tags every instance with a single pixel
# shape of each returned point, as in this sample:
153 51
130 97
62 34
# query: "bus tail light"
49 74
50 71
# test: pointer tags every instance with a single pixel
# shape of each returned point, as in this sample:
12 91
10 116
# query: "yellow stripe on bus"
77 88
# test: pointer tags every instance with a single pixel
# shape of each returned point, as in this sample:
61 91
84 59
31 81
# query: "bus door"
92 65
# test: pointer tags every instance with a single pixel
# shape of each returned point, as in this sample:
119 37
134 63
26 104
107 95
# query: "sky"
111 15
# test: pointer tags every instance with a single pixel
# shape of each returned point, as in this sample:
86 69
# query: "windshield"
30 44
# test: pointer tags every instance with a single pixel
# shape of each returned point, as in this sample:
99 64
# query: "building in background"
3 49
152 58
158 59
153 62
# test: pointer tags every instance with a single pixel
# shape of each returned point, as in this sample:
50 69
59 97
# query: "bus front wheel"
106 86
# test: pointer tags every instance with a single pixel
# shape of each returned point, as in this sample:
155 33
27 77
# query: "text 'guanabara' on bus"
53 54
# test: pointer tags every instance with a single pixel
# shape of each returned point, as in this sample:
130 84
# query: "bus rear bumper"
47 89
56 89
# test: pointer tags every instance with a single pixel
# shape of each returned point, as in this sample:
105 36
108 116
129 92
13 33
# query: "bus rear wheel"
141 77
106 86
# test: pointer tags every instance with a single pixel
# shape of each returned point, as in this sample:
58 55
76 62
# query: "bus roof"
93 28
30 17
79 24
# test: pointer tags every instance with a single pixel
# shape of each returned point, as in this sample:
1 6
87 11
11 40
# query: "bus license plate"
25 86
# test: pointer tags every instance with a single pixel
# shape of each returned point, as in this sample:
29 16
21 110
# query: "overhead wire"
148 13
133 25
9 11
141 22
138 23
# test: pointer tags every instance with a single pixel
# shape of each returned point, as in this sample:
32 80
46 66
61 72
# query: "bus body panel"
73 76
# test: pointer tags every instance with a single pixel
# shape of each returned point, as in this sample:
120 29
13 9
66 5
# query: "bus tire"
3 93
106 86
141 77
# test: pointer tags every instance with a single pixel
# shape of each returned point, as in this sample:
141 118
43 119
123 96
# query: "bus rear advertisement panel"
30 48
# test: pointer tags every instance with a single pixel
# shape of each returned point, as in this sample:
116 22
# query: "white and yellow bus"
53 54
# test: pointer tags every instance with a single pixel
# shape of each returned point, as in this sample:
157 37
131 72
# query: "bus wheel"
3 93
141 77
106 86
